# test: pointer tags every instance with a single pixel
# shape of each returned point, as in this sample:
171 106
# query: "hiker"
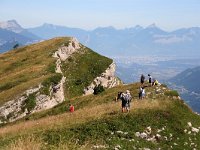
121 96
71 108
140 93
142 78
150 79
155 82
128 98
123 101
125 98
143 93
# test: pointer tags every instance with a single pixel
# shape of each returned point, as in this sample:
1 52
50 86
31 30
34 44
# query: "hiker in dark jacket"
142 78
121 96
150 79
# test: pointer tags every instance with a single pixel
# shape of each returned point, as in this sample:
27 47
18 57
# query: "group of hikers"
126 97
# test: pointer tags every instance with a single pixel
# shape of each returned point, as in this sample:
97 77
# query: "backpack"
128 98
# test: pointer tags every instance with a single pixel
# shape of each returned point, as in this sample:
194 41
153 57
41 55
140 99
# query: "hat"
127 91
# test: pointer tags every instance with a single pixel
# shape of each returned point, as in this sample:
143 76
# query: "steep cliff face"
58 81
107 80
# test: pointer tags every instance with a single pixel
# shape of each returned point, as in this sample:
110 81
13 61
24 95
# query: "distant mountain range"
130 41
110 41
12 33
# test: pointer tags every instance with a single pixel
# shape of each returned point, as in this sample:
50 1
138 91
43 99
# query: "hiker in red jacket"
71 108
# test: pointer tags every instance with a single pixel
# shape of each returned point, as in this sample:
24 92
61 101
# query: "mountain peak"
47 24
11 25
138 27
12 21
153 25
105 28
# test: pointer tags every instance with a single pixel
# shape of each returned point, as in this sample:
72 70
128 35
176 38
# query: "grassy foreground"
98 123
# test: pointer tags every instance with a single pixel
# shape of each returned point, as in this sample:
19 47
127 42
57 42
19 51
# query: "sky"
89 14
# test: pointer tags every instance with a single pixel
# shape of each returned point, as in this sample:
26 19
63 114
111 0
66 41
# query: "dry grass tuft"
28 143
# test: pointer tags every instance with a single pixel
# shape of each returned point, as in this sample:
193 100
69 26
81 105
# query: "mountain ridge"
32 85
135 40
128 41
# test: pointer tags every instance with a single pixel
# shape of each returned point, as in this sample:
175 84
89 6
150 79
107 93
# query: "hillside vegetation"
160 121
26 67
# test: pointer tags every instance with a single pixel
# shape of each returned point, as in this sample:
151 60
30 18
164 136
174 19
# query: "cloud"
171 39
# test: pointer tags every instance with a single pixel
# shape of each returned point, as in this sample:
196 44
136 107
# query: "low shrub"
30 103
171 93
51 68
98 89
53 80
78 82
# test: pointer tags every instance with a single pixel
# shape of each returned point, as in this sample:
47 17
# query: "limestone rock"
107 80
65 51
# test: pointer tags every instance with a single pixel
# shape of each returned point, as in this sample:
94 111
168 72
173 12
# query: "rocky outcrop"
13 110
107 80
65 51
48 101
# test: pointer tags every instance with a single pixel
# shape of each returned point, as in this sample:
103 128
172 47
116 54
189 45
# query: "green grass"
80 102
103 131
81 69
52 80
171 93
77 131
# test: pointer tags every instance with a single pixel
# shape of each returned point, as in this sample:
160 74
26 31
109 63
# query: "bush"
164 85
66 43
16 46
70 59
55 79
78 82
171 93
98 89
51 68
30 103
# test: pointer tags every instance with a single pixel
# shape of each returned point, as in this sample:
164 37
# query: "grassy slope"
80 70
28 66
98 118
